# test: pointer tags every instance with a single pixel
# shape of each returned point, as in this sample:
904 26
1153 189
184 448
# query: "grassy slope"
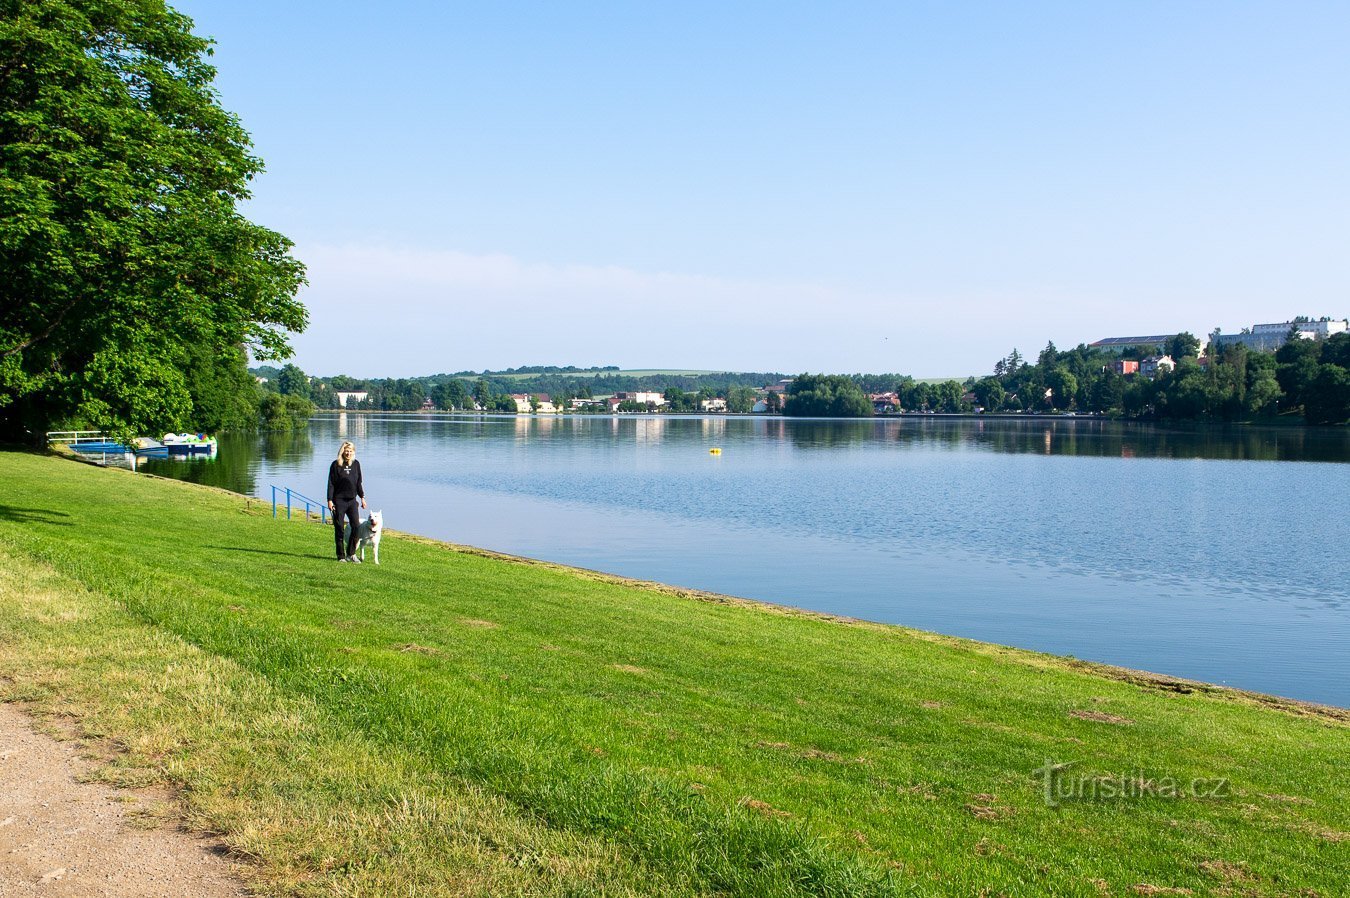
467 724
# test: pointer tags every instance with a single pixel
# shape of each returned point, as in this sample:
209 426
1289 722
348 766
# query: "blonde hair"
346 444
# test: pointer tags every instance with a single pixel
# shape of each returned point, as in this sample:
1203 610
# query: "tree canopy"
123 257
826 396
1182 346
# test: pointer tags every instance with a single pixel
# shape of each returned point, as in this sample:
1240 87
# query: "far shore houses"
1258 337
1270 337
534 402
1145 356
650 399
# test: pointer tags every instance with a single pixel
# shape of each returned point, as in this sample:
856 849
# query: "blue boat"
189 444
177 445
99 447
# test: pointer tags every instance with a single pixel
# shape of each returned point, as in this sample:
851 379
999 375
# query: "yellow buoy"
714 451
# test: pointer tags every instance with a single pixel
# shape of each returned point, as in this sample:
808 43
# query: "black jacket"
344 484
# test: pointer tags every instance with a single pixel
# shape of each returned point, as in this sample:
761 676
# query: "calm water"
1215 554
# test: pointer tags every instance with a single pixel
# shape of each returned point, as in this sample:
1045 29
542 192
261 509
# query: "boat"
98 446
189 444
148 448
174 445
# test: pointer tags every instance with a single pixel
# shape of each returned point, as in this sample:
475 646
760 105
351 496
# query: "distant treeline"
492 390
1307 378
539 369
1304 377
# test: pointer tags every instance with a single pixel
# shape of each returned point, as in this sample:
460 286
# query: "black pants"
350 509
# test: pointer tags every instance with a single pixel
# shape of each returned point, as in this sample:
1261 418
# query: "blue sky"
913 187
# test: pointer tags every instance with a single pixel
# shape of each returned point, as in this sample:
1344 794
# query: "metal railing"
295 498
93 442
71 436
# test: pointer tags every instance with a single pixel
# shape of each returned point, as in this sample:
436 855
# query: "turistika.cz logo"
1059 783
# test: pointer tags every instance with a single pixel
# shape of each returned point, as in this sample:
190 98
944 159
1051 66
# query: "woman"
344 488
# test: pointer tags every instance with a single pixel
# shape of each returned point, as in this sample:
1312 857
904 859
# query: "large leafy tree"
123 256
1184 345
293 382
1297 368
826 396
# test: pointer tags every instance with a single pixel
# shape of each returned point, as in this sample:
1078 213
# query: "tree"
740 400
482 393
1263 391
293 382
285 412
826 396
1108 393
121 247
1328 398
989 393
224 395
1297 367
450 395
322 394
1336 351
1184 345
678 400
916 396
948 397
1064 386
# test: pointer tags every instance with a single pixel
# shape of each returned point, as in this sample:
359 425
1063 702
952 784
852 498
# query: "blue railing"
294 498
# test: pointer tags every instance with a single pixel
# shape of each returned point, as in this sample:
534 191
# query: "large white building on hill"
1270 337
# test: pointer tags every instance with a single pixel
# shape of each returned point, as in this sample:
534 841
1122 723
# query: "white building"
1151 366
352 397
1321 330
713 405
655 400
525 406
1270 337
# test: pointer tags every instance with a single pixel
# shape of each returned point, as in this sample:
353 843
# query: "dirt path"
60 837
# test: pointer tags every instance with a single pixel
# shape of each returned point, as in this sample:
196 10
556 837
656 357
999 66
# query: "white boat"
189 444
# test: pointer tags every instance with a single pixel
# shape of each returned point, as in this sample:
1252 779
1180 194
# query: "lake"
1218 554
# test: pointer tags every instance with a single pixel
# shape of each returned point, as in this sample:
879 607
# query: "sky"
906 187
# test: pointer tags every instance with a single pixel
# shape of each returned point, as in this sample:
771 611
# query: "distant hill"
539 369
520 374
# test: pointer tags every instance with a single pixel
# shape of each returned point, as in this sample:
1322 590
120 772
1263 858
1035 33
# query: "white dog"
368 534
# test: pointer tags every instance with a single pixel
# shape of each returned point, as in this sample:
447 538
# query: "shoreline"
1139 677
1275 423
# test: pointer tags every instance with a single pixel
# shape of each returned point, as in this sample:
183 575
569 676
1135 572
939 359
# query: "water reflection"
1069 436
236 463
281 446
352 427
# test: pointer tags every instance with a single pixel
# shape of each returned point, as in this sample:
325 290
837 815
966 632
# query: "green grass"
457 723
